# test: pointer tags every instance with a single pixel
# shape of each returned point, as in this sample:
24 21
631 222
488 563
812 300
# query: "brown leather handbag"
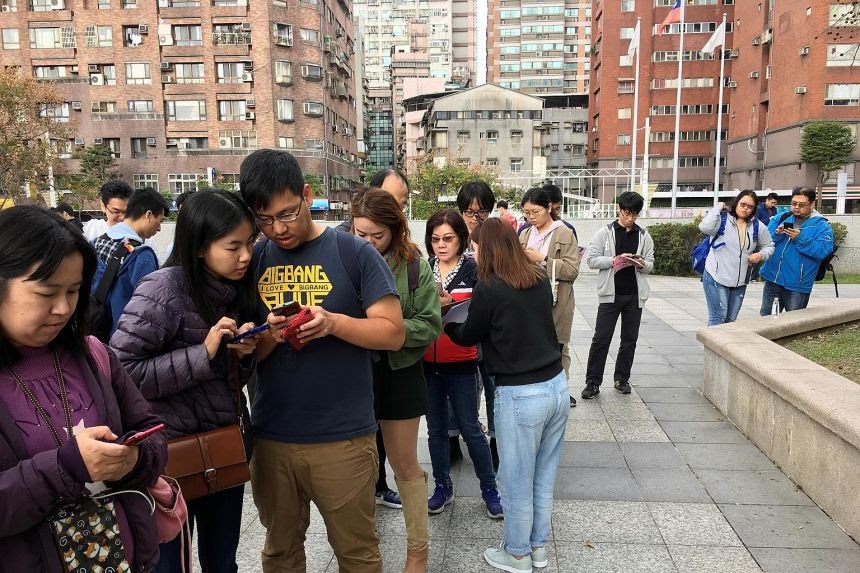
211 461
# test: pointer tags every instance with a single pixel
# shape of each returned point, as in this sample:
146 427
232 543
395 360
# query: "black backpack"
826 263
99 317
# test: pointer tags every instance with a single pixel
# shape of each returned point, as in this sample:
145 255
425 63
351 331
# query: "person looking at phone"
802 239
60 410
113 199
452 370
172 339
620 292
313 419
399 387
734 254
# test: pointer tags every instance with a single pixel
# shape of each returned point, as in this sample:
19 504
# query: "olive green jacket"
421 315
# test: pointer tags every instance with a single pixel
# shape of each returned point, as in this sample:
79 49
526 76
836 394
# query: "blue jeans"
462 391
724 303
788 299
530 435
219 521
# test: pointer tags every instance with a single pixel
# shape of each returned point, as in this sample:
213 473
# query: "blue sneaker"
494 503
388 498
442 496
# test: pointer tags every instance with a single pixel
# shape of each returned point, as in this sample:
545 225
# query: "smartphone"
287 309
440 289
134 437
247 333
290 333
788 225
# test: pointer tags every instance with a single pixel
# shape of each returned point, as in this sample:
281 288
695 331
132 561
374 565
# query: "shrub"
672 245
840 233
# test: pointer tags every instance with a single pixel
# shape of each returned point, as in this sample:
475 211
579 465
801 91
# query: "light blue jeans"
530 422
724 303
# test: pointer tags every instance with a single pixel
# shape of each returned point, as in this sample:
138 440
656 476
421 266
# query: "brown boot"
413 495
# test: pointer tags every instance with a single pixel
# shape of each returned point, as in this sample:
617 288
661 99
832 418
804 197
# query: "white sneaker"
500 559
539 558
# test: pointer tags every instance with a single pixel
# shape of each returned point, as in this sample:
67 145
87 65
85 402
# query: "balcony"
66 80
231 38
138 116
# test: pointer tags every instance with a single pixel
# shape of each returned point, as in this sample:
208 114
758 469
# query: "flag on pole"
673 16
718 39
634 45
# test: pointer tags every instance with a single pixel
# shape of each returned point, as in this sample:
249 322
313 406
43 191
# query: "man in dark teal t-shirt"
312 416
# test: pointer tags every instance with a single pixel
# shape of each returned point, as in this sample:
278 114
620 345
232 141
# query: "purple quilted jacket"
159 340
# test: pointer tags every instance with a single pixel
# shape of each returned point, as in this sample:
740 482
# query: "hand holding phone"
290 333
788 225
253 332
134 437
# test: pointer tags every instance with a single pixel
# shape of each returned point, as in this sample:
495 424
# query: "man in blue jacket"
802 240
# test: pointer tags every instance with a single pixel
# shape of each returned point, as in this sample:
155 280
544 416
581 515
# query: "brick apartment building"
176 87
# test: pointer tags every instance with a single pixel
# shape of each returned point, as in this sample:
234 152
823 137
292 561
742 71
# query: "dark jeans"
489 383
626 306
788 299
462 391
381 481
219 521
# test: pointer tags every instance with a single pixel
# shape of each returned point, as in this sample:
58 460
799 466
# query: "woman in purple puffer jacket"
172 340
59 411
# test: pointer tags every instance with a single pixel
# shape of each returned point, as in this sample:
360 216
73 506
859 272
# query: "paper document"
622 262
457 312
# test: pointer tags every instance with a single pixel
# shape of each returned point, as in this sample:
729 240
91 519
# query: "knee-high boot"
413 494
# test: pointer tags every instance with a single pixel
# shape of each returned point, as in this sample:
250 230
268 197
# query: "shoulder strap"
413 269
346 250
723 218
100 356
783 217
113 264
756 223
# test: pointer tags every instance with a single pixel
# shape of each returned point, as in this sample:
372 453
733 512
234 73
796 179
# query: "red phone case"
290 332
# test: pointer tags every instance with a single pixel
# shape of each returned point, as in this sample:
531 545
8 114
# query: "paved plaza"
656 481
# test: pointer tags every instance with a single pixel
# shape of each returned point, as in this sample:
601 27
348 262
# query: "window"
283 72
192 110
99 36
313 108
463 137
626 86
840 55
626 34
623 139
49 72
104 107
312 72
182 182
628 5
140 106
58 112
112 143
286 142
129 4
842 94
237 139
188 35
492 136
229 72
625 113
310 36
109 72
285 110
313 144
516 165
189 73
132 37
142 180
11 40
283 34
844 15
516 136
45 38
137 74
672 83
138 147
231 110
46 5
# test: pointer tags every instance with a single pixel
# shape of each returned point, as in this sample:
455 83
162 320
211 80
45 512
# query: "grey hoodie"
599 256
727 261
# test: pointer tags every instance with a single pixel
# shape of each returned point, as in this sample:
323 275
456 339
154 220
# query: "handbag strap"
237 388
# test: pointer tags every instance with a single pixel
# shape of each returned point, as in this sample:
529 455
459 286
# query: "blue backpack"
699 254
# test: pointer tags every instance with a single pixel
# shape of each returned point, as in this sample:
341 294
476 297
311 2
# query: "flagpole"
645 166
678 112
720 115
635 132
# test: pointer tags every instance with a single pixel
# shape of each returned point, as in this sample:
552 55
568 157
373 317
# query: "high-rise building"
612 94
539 47
381 136
177 88
796 62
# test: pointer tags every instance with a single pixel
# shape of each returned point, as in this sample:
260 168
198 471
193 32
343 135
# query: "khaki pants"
339 478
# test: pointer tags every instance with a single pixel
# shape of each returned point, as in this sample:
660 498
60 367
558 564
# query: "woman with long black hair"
171 339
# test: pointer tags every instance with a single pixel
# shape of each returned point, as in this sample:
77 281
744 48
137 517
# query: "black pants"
627 306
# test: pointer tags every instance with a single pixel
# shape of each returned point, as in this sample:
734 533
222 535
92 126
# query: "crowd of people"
348 336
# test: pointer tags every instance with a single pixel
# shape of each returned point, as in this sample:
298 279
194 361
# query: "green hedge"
674 241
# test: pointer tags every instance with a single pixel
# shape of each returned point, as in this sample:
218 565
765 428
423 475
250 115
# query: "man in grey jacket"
623 252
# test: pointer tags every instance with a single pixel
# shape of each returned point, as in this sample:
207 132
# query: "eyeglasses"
282 217
445 239
480 215
627 213
746 205
800 205
116 212
535 213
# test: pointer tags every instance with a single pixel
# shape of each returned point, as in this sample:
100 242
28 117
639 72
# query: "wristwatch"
544 261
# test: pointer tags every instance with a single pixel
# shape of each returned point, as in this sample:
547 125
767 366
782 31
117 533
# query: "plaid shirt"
105 247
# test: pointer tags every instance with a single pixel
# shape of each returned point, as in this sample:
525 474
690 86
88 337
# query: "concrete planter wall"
802 416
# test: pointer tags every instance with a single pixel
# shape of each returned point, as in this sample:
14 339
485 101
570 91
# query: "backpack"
826 263
99 317
346 250
699 254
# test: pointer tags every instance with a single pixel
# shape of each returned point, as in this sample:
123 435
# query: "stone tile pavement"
654 481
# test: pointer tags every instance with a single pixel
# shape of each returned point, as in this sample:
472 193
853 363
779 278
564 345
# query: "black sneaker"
572 401
622 387
590 391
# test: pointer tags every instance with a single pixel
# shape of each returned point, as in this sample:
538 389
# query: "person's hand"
247 345
720 206
755 258
276 325
445 298
780 230
535 256
322 324
792 233
224 327
105 461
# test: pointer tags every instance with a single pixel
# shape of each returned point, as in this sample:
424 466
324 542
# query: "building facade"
539 47
179 88
612 94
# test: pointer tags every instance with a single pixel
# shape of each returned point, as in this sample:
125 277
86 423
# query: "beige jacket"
564 250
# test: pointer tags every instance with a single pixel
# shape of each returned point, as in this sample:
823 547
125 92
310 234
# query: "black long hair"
733 208
205 217
33 243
